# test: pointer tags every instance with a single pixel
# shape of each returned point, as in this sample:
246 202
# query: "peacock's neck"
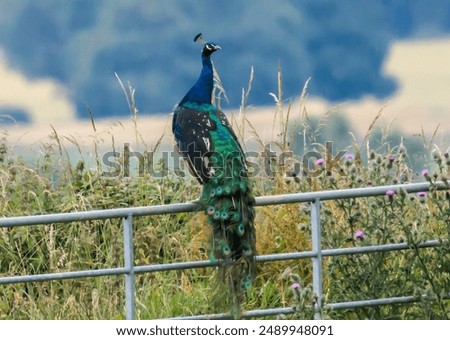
202 90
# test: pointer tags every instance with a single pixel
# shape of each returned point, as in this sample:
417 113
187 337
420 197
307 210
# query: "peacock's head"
208 47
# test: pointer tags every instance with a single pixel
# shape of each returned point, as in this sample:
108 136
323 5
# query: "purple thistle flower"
425 173
359 235
296 288
390 193
320 161
348 159
295 285
391 158
422 196
446 154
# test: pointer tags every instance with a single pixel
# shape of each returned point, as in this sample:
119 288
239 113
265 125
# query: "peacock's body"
207 141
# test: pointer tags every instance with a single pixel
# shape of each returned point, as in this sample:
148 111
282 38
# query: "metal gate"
316 254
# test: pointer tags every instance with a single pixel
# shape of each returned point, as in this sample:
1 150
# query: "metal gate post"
128 249
317 259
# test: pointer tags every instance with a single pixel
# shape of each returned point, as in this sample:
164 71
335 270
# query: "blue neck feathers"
202 90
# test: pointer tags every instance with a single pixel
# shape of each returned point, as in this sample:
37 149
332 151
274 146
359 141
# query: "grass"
53 183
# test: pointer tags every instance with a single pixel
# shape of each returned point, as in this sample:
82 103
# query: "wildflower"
296 288
348 159
421 196
390 193
320 163
425 173
369 183
359 235
390 161
295 285
447 158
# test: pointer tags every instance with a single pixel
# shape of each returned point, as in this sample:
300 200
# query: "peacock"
206 140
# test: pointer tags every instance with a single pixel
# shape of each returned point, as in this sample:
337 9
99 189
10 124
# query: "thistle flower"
359 235
348 159
390 161
296 288
390 193
295 285
446 156
425 173
320 163
421 196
